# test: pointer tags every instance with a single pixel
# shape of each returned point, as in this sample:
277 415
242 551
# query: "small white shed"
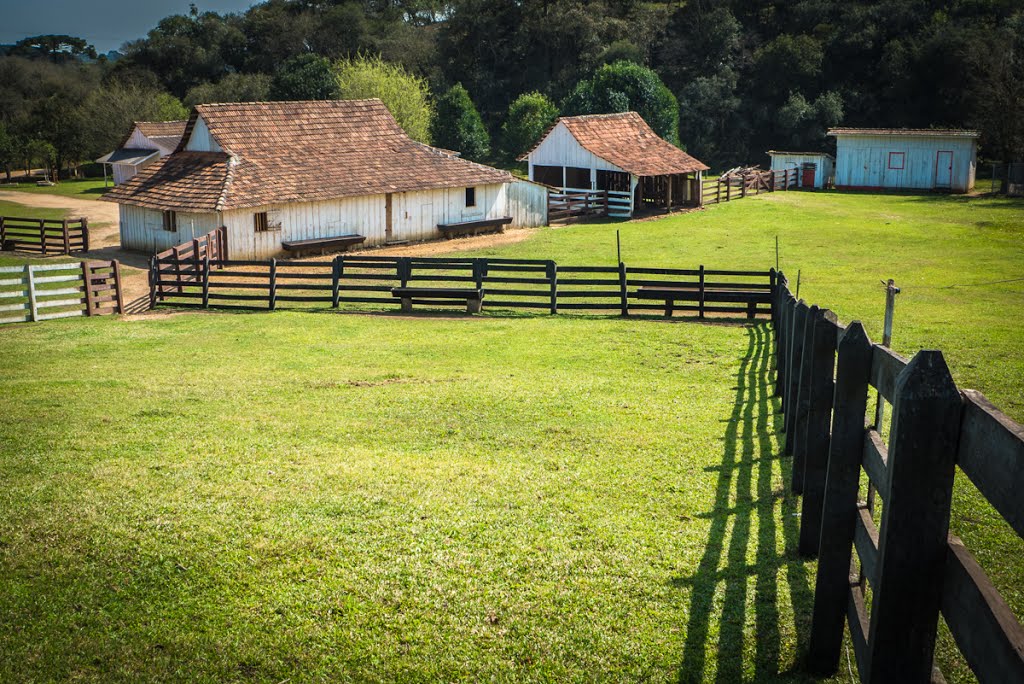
813 169
144 144
905 158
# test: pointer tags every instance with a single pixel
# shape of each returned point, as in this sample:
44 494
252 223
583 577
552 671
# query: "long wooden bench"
671 295
470 296
337 243
450 230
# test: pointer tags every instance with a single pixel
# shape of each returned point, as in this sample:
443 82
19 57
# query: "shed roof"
626 141
800 154
303 151
921 132
126 155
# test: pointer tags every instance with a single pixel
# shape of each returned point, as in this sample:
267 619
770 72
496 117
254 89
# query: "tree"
111 109
305 77
625 86
231 88
8 150
406 96
529 116
458 126
57 48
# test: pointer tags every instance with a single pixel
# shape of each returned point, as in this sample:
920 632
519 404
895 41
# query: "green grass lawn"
81 188
310 496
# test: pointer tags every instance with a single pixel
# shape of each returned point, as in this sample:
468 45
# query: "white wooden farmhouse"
618 153
147 142
279 173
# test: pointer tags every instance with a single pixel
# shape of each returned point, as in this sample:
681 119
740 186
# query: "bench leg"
473 306
406 305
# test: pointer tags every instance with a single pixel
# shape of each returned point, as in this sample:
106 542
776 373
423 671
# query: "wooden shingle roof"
308 151
627 141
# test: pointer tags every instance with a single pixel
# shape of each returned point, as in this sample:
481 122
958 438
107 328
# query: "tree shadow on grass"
749 499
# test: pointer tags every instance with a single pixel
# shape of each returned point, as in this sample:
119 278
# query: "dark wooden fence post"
782 334
42 234
336 272
177 268
404 270
839 510
154 281
118 294
816 441
801 407
700 293
793 372
3 232
206 281
552 273
87 280
85 233
728 190
273 284
623 294
66 235
718 192
912 543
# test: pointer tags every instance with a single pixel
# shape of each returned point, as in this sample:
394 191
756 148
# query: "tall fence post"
206 281
42 235
177 268
890 309
781 303
3 232
154 281
118 294
552 273
912 543
66 236
336 271
802 405
273 284
816 440
700 292
404 270
623 294
85 233
839 509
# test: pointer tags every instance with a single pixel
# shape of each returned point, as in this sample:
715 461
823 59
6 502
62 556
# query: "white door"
943 169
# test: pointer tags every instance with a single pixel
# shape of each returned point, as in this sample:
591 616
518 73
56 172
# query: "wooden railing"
719 190
570 205
40 292
44 236
910 568
507 284
187 260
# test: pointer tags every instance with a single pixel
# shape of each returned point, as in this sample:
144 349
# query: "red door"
807 179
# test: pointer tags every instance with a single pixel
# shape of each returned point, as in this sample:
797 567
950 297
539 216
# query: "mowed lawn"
336 497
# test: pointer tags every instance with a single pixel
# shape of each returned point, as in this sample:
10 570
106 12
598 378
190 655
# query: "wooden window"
578 178
470 197
263 221
171 221
896 160
548 175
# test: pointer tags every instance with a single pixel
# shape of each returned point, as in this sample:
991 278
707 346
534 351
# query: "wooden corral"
44 236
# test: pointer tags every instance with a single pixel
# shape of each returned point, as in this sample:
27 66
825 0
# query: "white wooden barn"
274 172
147 142
812 169
619 153
905 159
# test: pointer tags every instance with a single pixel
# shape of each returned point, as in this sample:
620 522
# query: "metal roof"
127 155
922 132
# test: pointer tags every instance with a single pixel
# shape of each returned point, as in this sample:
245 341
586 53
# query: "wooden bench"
450 230
338 243
670 295
470 296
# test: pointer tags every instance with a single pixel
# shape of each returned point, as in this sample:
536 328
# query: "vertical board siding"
862 161
201 140
143 229
560 148
825 166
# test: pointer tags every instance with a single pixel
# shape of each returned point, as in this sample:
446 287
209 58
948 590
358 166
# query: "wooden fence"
911 569
569 205
185 262
719 190
184 279
44 236
40 292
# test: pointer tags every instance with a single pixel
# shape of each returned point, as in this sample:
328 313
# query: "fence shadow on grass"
750 499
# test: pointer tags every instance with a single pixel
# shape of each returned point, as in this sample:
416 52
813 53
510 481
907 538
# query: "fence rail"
183 278
571 205
911 569
718 190
41 292
44 236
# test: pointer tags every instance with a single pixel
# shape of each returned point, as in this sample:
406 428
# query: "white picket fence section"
43 292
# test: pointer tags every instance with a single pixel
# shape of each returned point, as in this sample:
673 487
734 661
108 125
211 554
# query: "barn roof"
626 141
924 132
304 151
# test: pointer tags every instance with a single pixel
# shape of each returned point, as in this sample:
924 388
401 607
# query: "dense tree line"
723 78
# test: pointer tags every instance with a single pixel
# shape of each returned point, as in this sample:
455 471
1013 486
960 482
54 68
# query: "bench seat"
450 230
471 296
337 243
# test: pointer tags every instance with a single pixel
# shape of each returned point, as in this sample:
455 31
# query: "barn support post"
816 440
668 194
802 405
922 451
839 509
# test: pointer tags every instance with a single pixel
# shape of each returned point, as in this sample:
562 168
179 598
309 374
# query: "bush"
406 96
529 116
458 126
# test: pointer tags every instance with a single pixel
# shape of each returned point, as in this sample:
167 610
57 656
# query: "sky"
107 24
